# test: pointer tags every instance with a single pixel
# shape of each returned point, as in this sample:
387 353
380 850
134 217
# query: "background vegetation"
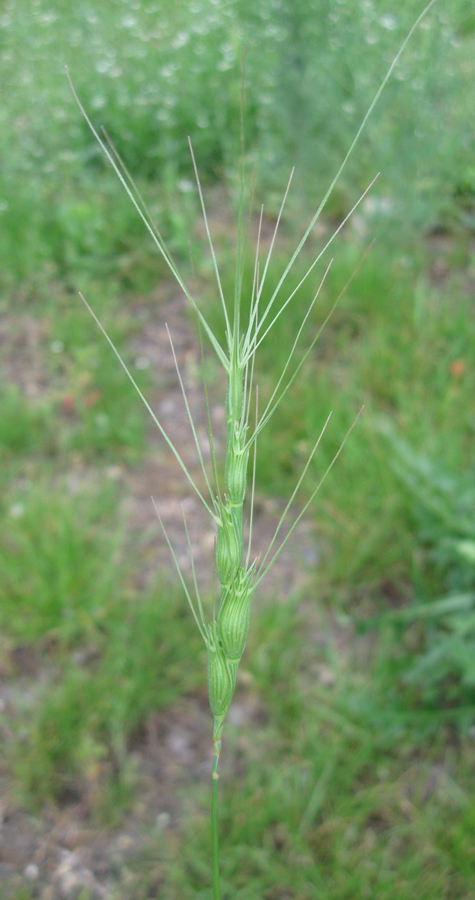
350 773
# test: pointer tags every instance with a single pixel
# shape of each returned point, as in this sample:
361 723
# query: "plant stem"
214 819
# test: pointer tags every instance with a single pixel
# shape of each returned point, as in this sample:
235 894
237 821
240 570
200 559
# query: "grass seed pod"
234 615
221 680
235 466
229 545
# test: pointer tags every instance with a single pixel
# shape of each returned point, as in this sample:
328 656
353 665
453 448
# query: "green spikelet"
235 466
234 615
229 544
221 680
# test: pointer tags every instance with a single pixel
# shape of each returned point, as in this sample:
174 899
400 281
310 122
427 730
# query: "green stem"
214 820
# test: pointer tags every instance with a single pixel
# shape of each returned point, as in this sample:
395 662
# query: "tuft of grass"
25 426
55 584
97 418
436 631
139 660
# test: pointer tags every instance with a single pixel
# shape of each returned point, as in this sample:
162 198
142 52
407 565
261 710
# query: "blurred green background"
349 763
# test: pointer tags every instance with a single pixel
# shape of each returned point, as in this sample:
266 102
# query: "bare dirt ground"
60 851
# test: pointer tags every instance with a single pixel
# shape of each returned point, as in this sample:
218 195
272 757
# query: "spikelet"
229 544
235 466
234 614
221 679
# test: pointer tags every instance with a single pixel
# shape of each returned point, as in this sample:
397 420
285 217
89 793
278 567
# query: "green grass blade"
215 344
254 462
201 628
140 198
253 313
146 403
193 570
292 498
211 246
268 259
312 497
354 142
269 411
310 269
190 417
249 371
210 428
271 406
435 609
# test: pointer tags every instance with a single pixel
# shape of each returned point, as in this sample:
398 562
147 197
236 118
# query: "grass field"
349 757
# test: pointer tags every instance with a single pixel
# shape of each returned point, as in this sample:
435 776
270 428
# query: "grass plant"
224 630
442 672
325 669
47 554
79 728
